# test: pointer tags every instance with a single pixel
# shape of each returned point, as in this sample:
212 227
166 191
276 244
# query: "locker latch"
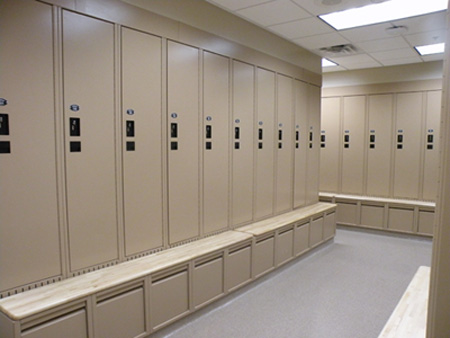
4 124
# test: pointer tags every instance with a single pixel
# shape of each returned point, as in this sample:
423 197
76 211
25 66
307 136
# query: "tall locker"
215 142
354 112
242 144
329 144
431 163
284 144
301 141
407 146
313 150
379 144
264 188
88 55
141 141
29 232
183 170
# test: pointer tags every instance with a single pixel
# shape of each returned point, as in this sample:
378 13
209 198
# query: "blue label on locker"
297 126
130 111
208 118
3 102
372 131
430 130
237 121
74 107
260 123
347 131
400 130
280 125
174 115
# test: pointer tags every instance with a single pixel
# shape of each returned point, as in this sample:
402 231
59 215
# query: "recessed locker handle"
372 138
173 130
130 128
236 133
430 138
208 131
260 134
310 136
297 135
75 127
346 138
399 138
280 135
4 124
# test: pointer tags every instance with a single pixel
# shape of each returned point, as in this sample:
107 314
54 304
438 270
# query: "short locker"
263 258
284 144
169 296
329 226
379 144
74 322
372 216
316 232
208 280
313 148
243 142
401 219
431 146
88 55
346 213
353 145
238 267
426 222
215 142
407 145
301 141
265 170
121 315
29 231
284 246
301 238
329 144
141 141
183 143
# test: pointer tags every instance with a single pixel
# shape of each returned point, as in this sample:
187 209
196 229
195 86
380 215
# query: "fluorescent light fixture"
328 63
382 12
431 49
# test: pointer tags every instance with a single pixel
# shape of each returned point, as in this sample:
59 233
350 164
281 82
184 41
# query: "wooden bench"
138 297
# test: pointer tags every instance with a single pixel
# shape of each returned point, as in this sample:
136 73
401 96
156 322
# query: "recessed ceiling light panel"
328 63
382 12
431 49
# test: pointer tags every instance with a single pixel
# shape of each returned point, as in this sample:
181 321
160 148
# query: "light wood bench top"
274 223
409 319
37 300
380 200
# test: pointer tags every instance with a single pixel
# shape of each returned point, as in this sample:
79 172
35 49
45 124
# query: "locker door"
407 148
29 232
242 144
431 170
215 141
329 144
301 141
141 141
183 110
379 145
313 150
88 52
265 144
284 144
353 140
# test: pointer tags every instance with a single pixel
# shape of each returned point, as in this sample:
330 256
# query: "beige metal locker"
183 144
208 280
372 216
264 188
263 256
284 246
88 55
301 142
379 144
141 141
316 232
301 238
215 142
431 163
238 267
243 142
354 111
407 145
313 149
330 136
284 143
401 219
29 231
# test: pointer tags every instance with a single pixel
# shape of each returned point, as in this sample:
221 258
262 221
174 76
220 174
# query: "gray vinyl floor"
347 288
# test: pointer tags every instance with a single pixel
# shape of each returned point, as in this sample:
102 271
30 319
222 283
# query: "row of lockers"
116 142
382 145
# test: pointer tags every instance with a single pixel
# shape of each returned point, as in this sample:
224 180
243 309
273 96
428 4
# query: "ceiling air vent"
338 50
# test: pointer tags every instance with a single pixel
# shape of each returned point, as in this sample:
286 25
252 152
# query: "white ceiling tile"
275 12
383 44
316 7
405 61
395 54
354 59
333 69
427 38
234 5
367 33
301 28
424 23
324 40
363 65
433 57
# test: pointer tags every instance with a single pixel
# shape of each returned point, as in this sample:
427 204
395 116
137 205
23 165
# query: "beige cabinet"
316 232
183 143
264 189
301 238
238 267
29 230
263 259
243 142
284 159
89 117
313 148
284 246
208 280
215 142
141 141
